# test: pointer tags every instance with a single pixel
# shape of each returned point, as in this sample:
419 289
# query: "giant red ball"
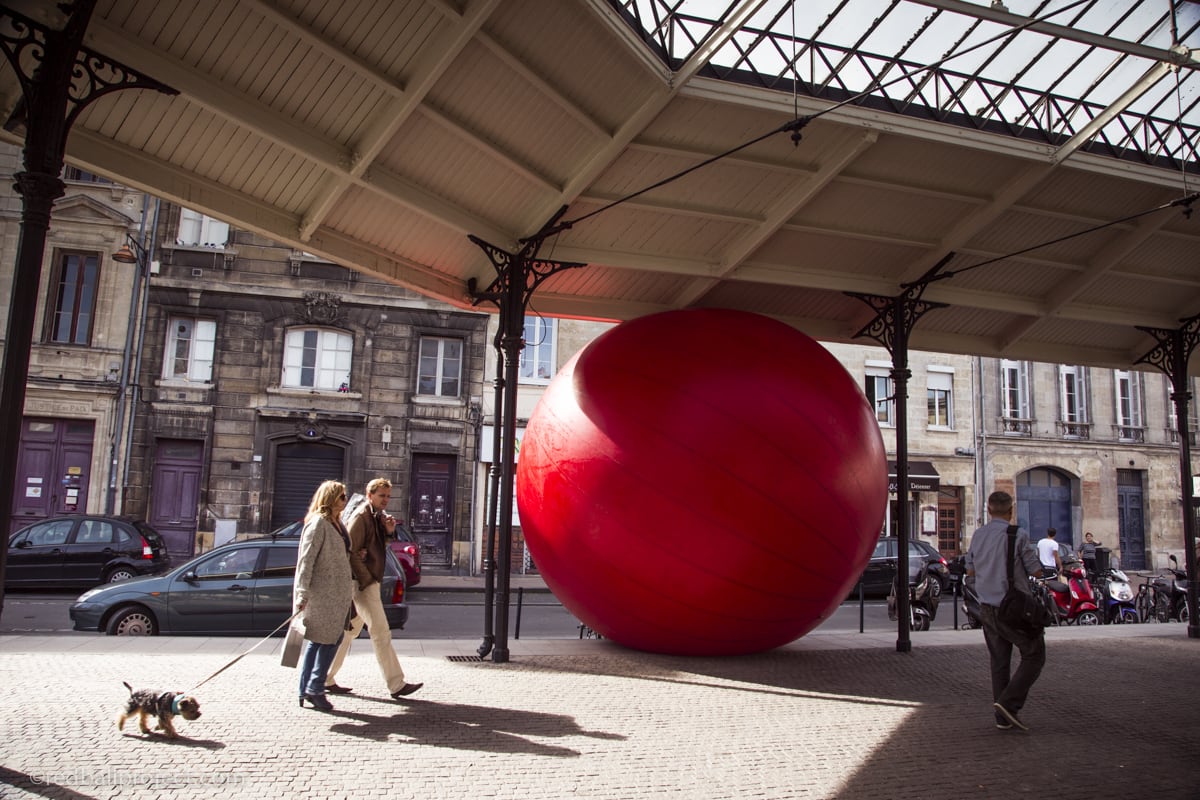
702 482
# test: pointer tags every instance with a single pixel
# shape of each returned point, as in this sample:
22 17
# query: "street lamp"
127 256
132 252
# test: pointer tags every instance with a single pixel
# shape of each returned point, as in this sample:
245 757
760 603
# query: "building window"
880 395
83 176
315 358
1129 405
1014 380
197 230
537 357
1072 393
190 346
1014 398
440 370
940 396
75 282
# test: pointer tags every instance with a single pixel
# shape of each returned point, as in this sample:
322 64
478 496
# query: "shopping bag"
291 647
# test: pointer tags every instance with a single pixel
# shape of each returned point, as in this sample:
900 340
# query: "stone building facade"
1087 449
266 370
73 437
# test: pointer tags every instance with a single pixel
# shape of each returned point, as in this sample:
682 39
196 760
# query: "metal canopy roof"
381 133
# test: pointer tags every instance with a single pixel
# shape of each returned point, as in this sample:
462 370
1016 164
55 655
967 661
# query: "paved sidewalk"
434 582
1116 714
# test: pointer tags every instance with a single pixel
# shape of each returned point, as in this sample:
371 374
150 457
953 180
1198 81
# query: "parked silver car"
239 589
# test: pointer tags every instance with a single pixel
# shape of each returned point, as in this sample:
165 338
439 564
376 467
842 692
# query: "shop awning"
922 477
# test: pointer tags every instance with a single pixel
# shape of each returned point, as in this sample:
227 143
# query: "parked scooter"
1074 600
922 600
1115 597
1172 593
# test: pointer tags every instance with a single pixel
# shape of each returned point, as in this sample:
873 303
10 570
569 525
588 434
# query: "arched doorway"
1044 501
300 467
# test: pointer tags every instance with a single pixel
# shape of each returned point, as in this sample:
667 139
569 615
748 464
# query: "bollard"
956 583
861 608
520 600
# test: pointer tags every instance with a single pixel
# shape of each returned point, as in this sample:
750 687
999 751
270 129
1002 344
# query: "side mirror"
24 543
190 576
1173 561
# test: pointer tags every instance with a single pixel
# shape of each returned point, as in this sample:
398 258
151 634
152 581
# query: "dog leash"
242 655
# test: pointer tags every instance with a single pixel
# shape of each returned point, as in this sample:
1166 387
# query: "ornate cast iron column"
1172 354
489 549
895 317
517 277
59 78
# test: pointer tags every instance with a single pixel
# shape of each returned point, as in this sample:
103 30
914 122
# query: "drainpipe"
981 451
118 436
135 386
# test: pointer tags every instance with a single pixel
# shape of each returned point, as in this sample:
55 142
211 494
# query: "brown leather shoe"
406 690
333 688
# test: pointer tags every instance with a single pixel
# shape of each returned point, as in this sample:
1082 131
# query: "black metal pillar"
1174 351
517 277
489 549
895 317
58 79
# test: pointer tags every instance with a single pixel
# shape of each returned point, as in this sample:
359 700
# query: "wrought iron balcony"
1075 430
1130 433
1173 436
1013 426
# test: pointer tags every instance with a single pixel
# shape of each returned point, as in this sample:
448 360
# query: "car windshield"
290 529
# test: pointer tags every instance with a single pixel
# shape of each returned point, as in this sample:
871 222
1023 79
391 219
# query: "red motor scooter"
1074 601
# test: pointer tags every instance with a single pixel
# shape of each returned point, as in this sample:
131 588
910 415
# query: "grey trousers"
1009 688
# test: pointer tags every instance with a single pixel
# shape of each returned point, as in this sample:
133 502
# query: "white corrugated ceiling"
381 133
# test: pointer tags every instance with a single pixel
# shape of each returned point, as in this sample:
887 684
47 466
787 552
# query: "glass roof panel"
987 64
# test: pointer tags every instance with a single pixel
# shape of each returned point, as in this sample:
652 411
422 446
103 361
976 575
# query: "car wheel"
132 621
118 574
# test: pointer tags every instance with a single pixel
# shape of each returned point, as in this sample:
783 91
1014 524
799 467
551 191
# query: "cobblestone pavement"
1115 715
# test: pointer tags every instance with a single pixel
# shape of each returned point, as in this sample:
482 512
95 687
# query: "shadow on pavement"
1094 721
467 727
182 741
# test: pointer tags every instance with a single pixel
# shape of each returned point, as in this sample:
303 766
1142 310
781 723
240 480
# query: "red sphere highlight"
702 482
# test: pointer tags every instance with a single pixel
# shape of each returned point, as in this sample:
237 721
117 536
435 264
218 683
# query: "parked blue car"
239 589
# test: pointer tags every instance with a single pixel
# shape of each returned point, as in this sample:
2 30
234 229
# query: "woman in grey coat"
324 589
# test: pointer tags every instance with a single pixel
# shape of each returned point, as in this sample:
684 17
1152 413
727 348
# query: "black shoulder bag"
1022 610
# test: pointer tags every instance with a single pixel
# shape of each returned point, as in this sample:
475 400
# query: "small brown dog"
163 705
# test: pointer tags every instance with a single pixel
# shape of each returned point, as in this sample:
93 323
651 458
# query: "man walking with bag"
369 527
1000 557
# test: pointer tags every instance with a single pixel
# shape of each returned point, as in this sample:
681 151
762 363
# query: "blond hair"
377 484
323 499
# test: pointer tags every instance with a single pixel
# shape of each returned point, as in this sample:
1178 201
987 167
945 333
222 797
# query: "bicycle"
1150 603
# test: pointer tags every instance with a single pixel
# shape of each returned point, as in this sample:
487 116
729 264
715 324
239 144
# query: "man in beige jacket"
370 526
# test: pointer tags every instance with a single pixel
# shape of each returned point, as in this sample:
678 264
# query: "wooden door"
53 469
175 495
431 507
